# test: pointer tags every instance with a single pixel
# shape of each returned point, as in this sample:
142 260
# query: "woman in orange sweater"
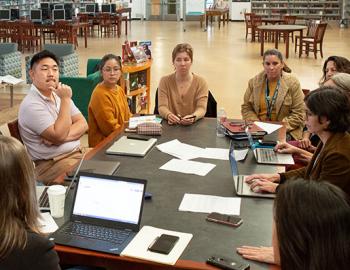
108 108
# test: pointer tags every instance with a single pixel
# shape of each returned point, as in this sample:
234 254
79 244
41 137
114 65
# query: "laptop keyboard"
96 232
268 155
44 199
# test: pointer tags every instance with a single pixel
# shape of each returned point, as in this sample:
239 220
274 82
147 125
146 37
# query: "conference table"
285 29
168 189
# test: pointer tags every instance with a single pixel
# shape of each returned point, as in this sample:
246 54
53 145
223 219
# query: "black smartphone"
163 244
230 220
227 263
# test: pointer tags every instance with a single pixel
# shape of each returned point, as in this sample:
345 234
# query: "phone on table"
230 220
163 244
267 142
227 263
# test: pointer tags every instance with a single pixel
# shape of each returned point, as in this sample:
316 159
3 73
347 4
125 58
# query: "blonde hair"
342 81
183 47
18 204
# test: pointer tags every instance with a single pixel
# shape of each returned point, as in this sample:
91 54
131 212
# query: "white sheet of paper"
215 153
208 203
268 127
138 247
47 224
240 154
10 79
188 166
180 150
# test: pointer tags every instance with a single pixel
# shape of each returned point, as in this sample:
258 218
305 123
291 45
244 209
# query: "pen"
190 117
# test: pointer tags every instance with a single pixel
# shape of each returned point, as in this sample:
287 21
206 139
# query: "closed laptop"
131 147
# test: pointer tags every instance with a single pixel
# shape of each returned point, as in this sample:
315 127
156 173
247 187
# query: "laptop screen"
109 199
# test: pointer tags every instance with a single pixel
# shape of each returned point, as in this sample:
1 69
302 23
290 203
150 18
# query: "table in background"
285 29
5 85
222 14
168 189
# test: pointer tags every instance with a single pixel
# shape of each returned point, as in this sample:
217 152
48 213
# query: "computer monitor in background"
45 13
44 5
106 8
36 15
58 6
97 8
68 6
90 8
113 8
5 15
14 14
58 15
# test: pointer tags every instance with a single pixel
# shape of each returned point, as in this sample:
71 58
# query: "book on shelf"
139 54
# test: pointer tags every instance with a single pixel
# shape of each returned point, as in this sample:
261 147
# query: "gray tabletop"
168 189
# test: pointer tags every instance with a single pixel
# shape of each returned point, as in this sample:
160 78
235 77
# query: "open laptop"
241 187
268 155
41 190
106 213
131 147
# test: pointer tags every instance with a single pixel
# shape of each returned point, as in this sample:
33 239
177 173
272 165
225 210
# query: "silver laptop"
268 155
131 147
106 167
106 213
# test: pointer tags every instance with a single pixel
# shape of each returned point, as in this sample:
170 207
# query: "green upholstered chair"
10 60
67 57
83 87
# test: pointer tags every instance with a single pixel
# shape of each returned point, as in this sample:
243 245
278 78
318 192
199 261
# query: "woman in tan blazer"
275 95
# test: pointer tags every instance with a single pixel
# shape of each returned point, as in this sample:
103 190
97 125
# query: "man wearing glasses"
49 123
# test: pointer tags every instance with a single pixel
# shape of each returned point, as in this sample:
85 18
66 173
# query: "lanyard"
269 105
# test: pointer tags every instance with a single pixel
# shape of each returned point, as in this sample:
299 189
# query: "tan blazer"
289 103
332 164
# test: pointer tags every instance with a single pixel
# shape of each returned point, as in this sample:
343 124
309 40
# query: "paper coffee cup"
57 195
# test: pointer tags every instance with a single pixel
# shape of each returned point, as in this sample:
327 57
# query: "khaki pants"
48 171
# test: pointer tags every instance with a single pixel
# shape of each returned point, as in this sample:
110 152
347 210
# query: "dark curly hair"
341 63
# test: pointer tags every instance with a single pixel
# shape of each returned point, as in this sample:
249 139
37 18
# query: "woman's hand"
286 148
305 143
263 176
187 120
260 254
173 119
263 185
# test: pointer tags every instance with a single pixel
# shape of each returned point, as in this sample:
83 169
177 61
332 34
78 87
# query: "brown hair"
280 57
341 64
18 204
183 47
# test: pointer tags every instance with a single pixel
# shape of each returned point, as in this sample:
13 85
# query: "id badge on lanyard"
270 105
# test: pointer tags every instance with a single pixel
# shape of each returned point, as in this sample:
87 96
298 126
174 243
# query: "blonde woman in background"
21 244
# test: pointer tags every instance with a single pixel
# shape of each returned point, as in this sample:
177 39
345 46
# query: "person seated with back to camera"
49 123
108 107
22 246
328 116
182 95
331 67
275 95
310 228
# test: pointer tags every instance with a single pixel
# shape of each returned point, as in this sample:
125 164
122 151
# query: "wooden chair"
256 21
309 44
83 17
248 23
14 130
66 33
289 19
29 36
311 30
105 24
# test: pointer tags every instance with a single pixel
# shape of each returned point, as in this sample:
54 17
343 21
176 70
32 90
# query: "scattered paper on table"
208 203
240 154
47 224
188 166
215 153
180 150
268 127
138 247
